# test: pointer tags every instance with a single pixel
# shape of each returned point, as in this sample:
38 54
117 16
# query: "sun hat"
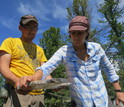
27 18
79 23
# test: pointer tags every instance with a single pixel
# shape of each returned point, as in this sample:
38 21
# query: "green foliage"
115 45
109 86
1 83
81 8
121 75
113 31
112 12
60 98
78 8
51 42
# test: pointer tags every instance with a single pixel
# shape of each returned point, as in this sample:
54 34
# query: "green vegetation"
111 29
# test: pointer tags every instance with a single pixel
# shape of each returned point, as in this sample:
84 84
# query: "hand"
119 98
22 85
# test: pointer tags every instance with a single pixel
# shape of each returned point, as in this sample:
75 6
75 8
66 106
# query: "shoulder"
65 50
11 39
39 47
8 44
94 48
65 47
93 45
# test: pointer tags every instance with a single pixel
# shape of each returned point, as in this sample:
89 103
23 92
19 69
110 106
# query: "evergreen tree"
82 8
112 12
52 40
1 83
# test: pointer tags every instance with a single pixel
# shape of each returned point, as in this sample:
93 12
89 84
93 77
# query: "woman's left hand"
119 98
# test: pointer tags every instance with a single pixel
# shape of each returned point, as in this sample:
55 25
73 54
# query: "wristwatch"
118 90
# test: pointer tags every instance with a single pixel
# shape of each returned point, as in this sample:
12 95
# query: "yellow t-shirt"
25 58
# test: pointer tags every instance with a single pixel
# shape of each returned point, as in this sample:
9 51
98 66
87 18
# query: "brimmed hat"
27 18
79 23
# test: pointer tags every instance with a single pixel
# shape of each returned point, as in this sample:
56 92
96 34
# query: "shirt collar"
90 48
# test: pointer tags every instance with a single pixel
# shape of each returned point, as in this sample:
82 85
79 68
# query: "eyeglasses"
31 28
77 32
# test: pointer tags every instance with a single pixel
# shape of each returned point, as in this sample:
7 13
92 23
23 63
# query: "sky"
50 13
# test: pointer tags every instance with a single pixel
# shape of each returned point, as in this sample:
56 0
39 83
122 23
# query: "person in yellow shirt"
20 57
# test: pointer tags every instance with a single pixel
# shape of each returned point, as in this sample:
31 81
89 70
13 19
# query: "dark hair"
87 34
21 24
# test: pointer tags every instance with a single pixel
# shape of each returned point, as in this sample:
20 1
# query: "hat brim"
28 20
77 28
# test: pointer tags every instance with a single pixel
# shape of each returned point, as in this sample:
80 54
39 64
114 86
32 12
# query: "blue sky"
48 12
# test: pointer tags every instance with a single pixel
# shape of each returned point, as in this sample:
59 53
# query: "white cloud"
100 1
122 2
43 8
24 9
47 12
36 8
59 8
59 12
9 23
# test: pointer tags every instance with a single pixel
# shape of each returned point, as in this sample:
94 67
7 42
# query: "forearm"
48 77
5 59
9 76
119 93
116 85
38 75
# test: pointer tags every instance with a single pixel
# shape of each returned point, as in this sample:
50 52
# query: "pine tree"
112 12
52 40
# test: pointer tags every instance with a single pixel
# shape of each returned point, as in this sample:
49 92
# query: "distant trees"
112 30
112 12
1 83
52 40
82 8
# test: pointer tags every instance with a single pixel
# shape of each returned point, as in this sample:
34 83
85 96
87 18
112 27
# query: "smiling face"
29 31
78 37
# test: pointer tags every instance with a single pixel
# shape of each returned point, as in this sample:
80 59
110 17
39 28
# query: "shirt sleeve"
52 63
107 67
7 45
